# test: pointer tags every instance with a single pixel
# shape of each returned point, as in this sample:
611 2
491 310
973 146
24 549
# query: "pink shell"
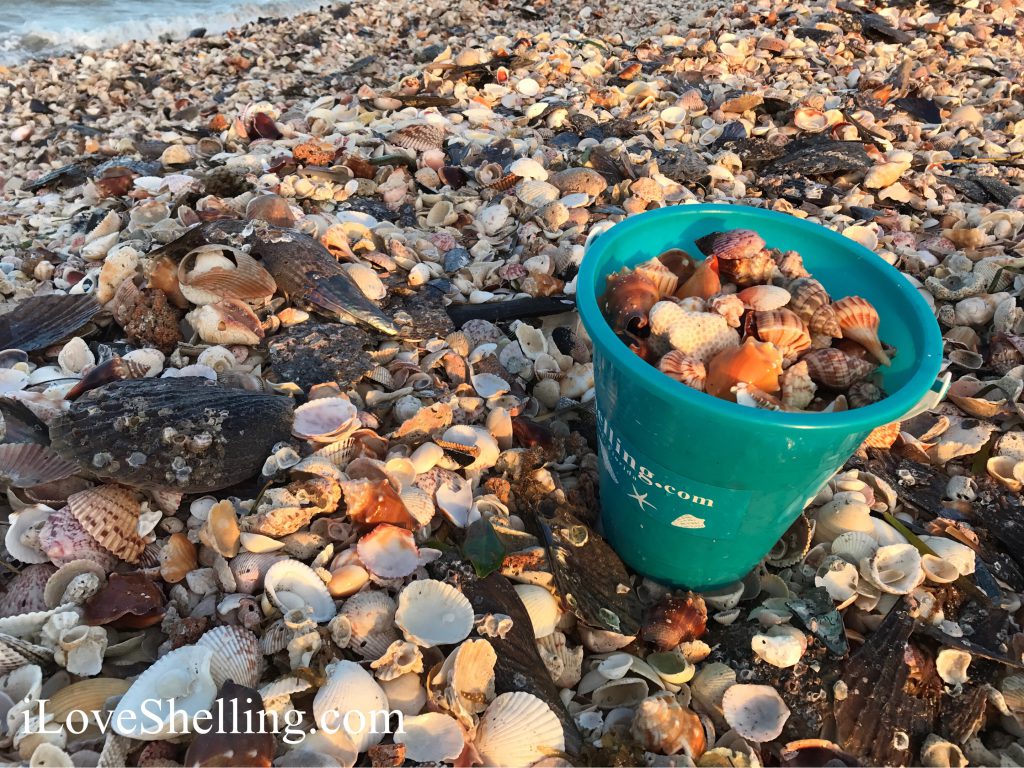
25 591
388 552
732 245
63 539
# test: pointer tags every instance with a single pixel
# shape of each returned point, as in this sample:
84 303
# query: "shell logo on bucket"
666 495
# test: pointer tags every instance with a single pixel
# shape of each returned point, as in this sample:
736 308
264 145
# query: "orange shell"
628 299
690 371
836 369
754 362
220 532
783 329
663 278
162 275
703 283
177 558
248 280
859 321
676 620
110 513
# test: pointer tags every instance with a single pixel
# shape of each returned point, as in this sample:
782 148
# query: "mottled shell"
688 370
110 513
750 271
812 304
236 655
732 245
784 329
836 369
574 180
420 137
858 320
797 386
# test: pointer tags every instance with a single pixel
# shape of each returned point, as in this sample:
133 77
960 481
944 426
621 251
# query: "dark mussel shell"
182 434
40 321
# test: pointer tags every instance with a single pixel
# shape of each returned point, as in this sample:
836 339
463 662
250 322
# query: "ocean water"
42 27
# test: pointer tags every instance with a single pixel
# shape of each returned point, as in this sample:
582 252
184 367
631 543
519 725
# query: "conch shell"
754 362
859 321
784 329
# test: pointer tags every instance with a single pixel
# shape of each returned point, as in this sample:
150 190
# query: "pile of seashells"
748 324
297 415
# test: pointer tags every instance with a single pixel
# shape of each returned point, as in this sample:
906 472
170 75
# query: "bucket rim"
892 408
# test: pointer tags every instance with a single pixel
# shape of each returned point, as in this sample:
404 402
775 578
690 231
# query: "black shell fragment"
40 321
821 157
183 434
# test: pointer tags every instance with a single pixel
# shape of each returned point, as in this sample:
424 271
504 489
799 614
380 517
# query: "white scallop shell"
710 685
854 546
183 675
528 168
290 584
433 613
431 738
954 552
755 712
372 618
895 569
388 551
542 607
518 729
847 511
236 655
324 419
536 193
351 700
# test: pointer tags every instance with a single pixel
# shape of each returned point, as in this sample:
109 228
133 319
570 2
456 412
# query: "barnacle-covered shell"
183 434
518 729
834 368
688 370
110 513
859 322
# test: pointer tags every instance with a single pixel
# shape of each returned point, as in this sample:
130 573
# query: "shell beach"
298 416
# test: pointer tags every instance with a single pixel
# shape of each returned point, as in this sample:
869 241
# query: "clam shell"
542 607
406 693
40 321
110 513
537 193
63 539
834 368
625 692
225 322
431 612
236 655
431 738
372 618
290 584
939 571
177 558
86 695
324 419
781 646
350 688
858 320
213 272
810 120
845 512
958 554
764 298
24 465
895 569
180 682
186 435
478 439
755 712
518 729
389 551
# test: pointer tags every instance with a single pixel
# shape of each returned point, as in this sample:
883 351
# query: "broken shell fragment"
755 712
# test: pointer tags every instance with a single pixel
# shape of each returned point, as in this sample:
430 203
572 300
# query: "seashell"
758 364
220 531
61 538
24 465
399 659
469 671
951 664
236 655
12 380
26 592
24 531
110 513
812 304
114 369
177 558
292 585
884 175
797 386
700 335
676 620
687 370
324 419
672 666
40 321
579 180
854 546
420 137
704 283
729 307
764 298
781 646
894 569
433 613
663 278
836 369
431 738
86 696
272 209
536 194
938 570
406 694
178 683
731 245
624 692
474 442
350 688
664 726
755 712
541 606
517 730
372 619
389 551
179 446
810 120
709 686
628 300
960 555
126 601
784 329
210 273
227 321
565 664
755 270
936 752
75 356
845 512
859 322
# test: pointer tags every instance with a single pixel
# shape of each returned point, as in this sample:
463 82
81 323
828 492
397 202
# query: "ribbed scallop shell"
24 465
732 245
86 695
797 386
350 688
433 613
25 593
784 329
323 419
700 335
40 321
290 584
236 655
854 546
663 278
518 729
432 738
388 551
63 539
542 607
237 275
764 298
110 513
420 137
688 370
249 570
372 616
834 368
858 320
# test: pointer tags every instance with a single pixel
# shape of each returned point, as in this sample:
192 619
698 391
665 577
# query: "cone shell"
756 363
518 729
733 245
178 558
389 552
236 655
290 584
212 272
110 513
688 370
350 688
663 278
858 320
433 613
700 335
420 137
24 465
835 369
784 329
764 298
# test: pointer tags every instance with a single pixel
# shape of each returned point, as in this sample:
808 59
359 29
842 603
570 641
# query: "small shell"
236 655
478 440
710 685
797 386
732 245
755 712
895 569
951 664
433 613
859 322
939 571
86 696
854 546
431 738
421 137
350 688
810 120
290 584
687 370
324 419
585 180
389 551
664 726
764 298
518 729
542 607
537 193
371 615
936 752
676 620
110 513
812 304
836 369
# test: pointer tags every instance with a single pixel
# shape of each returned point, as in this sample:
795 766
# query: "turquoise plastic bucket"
696 490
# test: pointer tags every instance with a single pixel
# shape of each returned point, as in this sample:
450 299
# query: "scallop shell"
700 335
86 695
755 712
213 272
40 321
236 655
859 321
180 682
350 688
469 671
854 546
325 419
663 278
421 137
433 613
732 245
894 569
290 584
784 329
687 370
537 193
389 551
542 607
518 729
177 558
431 738
846 511
26 592
110 513
58 583
372 618
836 369
24 465
710 684
764 298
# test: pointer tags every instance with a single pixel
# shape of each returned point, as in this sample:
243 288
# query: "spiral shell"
756 363
812 304
836 369
754 270
859 322
690 371
784 329
797 386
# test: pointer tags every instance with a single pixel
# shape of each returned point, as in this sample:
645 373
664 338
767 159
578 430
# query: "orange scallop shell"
689 370
754 362
177 558
247 281
110 513
859 321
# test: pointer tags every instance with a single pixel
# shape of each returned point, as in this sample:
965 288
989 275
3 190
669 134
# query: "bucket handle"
932 397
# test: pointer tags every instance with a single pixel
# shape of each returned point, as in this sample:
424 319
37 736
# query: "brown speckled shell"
834 368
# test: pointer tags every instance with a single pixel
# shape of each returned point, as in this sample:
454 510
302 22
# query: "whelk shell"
784 329
834 368
812 304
